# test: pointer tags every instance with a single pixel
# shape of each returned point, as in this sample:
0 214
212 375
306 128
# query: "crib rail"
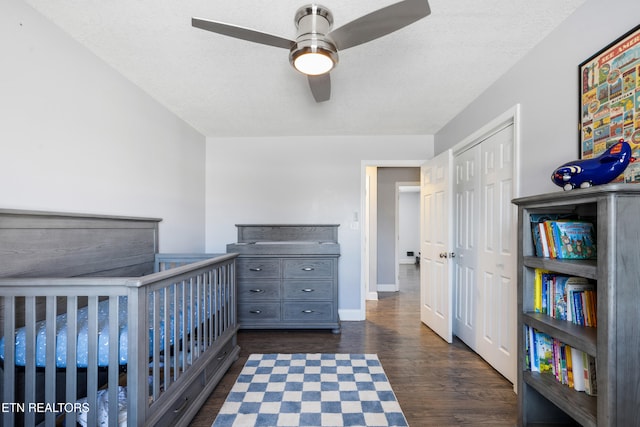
170 319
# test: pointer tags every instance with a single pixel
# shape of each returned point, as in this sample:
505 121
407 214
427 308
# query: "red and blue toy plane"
596 171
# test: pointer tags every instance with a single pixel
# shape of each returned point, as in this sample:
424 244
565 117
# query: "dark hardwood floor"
437 384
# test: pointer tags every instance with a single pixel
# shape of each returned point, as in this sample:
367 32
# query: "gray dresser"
287 276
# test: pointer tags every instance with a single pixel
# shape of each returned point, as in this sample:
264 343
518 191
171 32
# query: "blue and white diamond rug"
328 390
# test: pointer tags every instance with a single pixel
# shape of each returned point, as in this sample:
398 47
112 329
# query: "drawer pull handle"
307 268
307 311
255 269
255 311
184 405
307 290
256 291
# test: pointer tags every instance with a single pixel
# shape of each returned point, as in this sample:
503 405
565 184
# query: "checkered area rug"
328 390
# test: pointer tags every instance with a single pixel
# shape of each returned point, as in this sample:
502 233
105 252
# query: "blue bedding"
82 340
82 343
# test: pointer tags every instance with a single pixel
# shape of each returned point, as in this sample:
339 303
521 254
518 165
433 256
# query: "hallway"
437 384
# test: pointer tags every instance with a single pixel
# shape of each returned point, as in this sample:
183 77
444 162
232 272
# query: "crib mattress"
82 343
82 340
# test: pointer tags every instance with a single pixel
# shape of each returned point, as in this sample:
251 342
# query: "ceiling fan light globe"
313 63
313 57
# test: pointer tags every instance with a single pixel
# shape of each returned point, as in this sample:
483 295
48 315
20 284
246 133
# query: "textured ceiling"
410 82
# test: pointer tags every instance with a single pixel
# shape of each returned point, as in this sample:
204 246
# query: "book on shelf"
574 291
577 361
563 297
590 379
537 289
569 359
583 308
568 365
532 350
560 361
573 239
560 298
537 221
563 238
545 354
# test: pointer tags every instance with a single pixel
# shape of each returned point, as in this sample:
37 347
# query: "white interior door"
496 257
435 240
466 209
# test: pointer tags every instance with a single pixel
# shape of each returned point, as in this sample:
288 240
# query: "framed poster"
610 100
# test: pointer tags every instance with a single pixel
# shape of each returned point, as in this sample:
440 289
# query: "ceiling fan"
314 52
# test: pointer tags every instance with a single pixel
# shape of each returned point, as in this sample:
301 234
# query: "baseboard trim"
351 315
388 287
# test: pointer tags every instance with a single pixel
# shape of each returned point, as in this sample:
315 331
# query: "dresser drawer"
309 311
308 289
258 268
256 312
211 370
308 268
182 403
250 290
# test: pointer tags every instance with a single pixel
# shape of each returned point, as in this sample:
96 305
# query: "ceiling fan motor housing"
313 22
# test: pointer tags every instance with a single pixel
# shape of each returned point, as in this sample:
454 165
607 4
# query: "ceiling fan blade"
242 33
320 87
379 23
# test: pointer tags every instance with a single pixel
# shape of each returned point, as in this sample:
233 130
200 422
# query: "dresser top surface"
287 234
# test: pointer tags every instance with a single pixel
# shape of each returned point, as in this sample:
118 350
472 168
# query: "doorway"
408 224
380 228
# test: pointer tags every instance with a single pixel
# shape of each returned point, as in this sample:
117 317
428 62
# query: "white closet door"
466 208
496 257
435 243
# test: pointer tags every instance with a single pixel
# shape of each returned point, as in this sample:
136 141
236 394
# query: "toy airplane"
599 170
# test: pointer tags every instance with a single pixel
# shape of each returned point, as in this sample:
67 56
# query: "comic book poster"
610 100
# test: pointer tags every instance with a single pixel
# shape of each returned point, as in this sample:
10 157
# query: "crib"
95 324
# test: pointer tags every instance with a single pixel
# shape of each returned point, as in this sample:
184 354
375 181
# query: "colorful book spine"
537 289
559 298
569 357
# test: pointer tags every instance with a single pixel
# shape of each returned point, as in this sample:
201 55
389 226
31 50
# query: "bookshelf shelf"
576 336
542 400
574 267
579 406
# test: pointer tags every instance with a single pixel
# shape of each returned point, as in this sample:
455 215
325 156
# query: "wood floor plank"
437 384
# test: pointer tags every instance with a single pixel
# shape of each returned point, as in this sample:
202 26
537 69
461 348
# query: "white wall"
76 136
545 83
299 180
408 226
